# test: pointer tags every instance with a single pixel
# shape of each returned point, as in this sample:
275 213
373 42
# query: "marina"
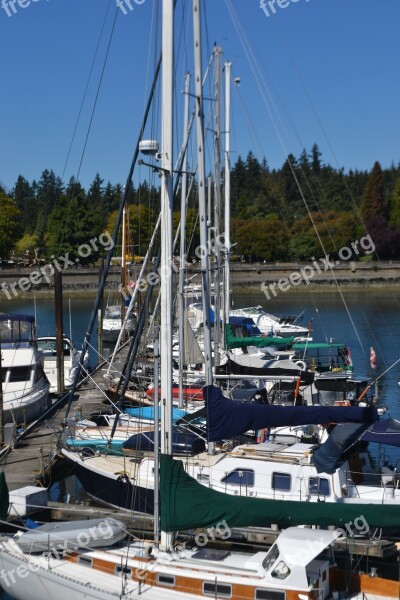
178 421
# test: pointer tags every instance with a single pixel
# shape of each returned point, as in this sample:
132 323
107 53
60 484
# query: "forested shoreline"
304 209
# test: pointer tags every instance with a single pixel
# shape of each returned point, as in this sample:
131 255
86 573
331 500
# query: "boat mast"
227 177
205 257
217 200
166 236
182 254
123 268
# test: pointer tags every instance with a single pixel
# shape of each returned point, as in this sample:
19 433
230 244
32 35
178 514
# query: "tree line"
304 209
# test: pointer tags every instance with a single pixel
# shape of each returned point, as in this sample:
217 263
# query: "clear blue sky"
328 68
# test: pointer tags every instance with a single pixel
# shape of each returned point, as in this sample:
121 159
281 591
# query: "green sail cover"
186 504
231 341
4 499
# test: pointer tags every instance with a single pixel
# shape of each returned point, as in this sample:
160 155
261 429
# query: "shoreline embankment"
252 277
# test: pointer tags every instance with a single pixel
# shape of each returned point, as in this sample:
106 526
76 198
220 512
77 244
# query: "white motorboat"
71 355
112 323
271 324
24 383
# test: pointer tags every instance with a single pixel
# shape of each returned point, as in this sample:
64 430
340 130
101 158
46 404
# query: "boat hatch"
213 554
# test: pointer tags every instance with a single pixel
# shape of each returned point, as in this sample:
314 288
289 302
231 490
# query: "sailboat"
114 315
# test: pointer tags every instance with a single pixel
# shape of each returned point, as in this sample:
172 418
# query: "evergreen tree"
289 191
72 225
95 193
10 225
395 206
49 189
111 198
315 160
25 201
373 202
74 188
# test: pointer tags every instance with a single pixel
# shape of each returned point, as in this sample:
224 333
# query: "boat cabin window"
271 557
19 374
167 580
269 595
240 477
217 590
281 570
281 481
125 570
319 486
85 560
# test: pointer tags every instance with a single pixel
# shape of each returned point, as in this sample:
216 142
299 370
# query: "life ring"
301 364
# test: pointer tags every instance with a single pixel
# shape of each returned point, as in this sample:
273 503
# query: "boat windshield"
16 374
271 558
15 331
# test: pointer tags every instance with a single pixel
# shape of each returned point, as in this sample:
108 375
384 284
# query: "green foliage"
373 203
270 210
71 224
10 225
24 197
395 206
261 239
27 244
48 191
335 231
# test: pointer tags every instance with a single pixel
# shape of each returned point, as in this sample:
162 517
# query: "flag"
372 358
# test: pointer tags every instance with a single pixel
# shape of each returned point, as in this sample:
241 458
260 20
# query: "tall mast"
123 268
227 175
166 235
217 200
205 258
182 254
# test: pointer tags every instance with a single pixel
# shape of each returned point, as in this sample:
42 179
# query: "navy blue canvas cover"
327 458
383 432
226 418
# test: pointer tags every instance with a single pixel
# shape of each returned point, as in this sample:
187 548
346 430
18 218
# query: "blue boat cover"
184 443
147 412
226 418
383 432
327 458
248 323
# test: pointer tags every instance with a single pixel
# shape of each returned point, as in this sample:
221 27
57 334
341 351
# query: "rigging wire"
76 179
268 101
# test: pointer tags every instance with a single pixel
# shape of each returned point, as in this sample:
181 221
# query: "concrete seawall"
252 276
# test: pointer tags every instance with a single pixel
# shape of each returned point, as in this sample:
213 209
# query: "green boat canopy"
231 341
186 504
316 346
